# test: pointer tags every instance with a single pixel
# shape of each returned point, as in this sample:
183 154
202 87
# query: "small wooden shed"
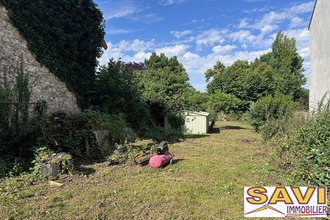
195 122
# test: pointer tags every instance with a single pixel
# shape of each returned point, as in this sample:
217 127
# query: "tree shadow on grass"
80 167
175 161
232 128
84 170
214 131
194 136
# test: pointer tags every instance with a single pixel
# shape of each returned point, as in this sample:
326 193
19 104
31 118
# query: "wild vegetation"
205 182
130 100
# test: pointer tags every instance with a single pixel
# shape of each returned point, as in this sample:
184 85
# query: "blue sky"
202 32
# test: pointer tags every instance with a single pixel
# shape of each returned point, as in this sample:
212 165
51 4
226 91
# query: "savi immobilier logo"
285 202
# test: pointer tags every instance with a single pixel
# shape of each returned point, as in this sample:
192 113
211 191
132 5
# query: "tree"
259 82
218 68
165 82
222 102
116 92
231 81
287 65
195 100
277 71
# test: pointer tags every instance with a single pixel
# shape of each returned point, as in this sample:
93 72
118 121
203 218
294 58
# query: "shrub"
311 149
175 119
73 132
159 134
270 108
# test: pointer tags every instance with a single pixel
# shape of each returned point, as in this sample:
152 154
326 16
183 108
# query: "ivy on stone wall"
64 35
6 95
23 90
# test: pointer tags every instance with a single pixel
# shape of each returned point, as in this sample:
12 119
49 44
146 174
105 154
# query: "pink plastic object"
160 160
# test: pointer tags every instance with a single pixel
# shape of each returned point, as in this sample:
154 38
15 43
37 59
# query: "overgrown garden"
266 93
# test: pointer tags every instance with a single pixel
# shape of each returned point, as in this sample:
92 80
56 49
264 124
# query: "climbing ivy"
6 95
23 90
64 35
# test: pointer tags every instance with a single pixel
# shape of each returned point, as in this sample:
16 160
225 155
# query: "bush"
270 108
159 134
73 133
175 119
310 148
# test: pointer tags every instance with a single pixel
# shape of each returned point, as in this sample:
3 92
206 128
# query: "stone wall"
44 85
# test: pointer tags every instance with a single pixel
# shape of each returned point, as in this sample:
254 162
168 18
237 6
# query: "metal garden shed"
195 122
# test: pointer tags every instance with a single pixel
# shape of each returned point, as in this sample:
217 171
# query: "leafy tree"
195 100
116 92
164 83
218 68
287 65
259 82
277 71
231 81
222 102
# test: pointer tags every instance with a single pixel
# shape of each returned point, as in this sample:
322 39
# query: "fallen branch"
311 156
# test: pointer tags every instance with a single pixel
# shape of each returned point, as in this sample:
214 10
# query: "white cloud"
273 18
210 37
171 51
141 56
268 28
120 49
304 53
170 2
297 22
302 8
121 11
150 18
243 23
119 31
179 34
263 9
242 36
223 49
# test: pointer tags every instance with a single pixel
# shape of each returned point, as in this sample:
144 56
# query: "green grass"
205 182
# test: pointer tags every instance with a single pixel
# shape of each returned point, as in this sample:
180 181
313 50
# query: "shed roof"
310 22
197 113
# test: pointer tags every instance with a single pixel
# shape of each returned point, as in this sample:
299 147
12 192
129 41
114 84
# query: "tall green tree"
259 82
116 92
287 65
165 82
196 100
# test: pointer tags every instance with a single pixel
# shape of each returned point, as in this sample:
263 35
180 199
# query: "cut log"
144 161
